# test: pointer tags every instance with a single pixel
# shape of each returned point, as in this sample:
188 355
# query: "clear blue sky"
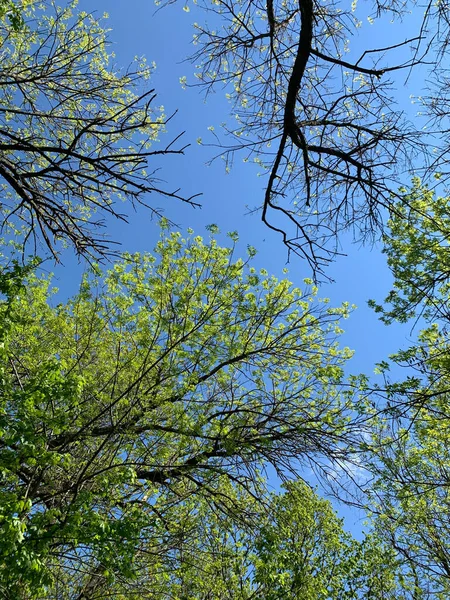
165 38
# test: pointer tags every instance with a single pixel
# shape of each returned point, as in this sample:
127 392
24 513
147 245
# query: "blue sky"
165 36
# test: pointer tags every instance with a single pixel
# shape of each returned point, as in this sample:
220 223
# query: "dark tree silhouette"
322 120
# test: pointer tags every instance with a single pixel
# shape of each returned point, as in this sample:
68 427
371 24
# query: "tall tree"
322 118
417 254
410 451
304 552
173 376
77 135
297 549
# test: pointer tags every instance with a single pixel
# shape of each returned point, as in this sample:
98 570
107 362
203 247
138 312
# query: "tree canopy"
312 102
177 374
77 134
410 454
145 420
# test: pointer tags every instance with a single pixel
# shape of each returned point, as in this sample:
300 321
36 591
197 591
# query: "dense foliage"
144 421
174 375
411 452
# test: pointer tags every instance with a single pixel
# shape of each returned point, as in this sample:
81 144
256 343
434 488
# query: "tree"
409 455
297 549
172 378
320 119
77 135
323 125
409 458
304 552
417 254
410 500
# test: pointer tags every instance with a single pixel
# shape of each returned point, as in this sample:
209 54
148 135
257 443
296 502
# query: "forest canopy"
176 427
174 375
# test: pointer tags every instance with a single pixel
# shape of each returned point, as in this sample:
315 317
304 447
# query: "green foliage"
168 381
416 245
410 496
304 552
13 13
296 548
137 418
410 451
69 157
